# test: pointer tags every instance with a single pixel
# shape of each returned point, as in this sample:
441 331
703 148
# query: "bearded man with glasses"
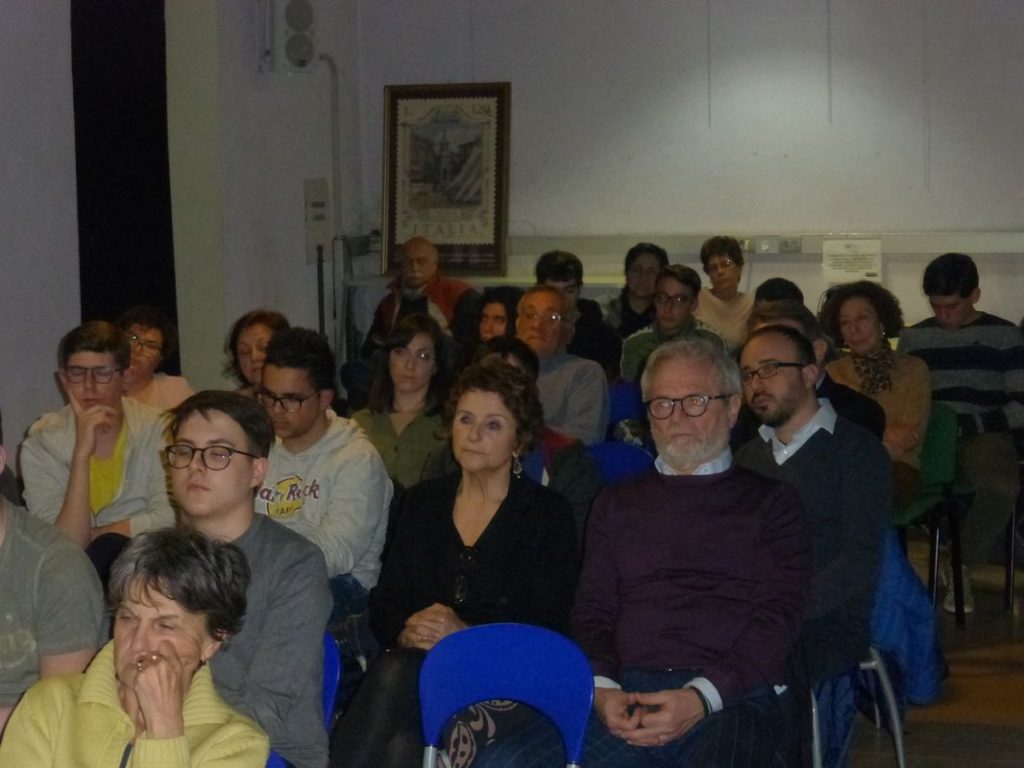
692 588
272 670
93 468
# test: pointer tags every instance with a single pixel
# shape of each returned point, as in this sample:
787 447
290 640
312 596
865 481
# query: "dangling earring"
517 465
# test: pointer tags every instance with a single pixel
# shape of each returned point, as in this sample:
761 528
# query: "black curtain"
126 249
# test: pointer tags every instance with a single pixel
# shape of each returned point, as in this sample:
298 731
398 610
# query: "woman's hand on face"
425 628
161 682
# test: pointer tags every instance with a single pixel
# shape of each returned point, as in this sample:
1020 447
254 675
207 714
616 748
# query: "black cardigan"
525 565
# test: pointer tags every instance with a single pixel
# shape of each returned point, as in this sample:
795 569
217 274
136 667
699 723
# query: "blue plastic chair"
625 402
520 662
620 461
332 679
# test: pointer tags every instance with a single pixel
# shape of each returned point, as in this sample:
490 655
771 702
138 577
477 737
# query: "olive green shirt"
404 454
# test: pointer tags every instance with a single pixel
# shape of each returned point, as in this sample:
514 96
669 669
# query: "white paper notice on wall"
844 261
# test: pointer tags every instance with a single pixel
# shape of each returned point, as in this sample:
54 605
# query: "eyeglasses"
692 405
467 563
215 457
418 358
290 403
767 370
676 300
542 317
714 266
101 374
148 348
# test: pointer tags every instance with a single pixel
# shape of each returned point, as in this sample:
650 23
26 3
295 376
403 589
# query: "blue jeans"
744 734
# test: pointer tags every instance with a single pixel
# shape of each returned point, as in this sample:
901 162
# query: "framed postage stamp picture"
446 154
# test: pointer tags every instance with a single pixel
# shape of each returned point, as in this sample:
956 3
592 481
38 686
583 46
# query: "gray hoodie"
336 494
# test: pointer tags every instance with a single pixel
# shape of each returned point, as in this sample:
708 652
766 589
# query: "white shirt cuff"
707 688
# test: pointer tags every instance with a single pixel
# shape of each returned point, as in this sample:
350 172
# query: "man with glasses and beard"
93 468
842 474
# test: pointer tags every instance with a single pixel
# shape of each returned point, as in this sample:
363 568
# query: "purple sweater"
702 572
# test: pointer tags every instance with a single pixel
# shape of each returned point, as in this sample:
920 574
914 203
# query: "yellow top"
106 475
76 721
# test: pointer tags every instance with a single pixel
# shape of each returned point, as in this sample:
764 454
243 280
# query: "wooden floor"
979 721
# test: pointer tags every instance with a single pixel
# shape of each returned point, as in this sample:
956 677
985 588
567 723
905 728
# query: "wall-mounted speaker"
289 39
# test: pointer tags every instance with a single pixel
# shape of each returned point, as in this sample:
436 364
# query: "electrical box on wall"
318 220
288 42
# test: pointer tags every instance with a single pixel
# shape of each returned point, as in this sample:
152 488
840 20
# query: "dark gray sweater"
272 670
844 482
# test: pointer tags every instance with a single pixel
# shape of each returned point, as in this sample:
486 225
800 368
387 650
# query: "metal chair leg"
957 564
815 734
877 665
1009 591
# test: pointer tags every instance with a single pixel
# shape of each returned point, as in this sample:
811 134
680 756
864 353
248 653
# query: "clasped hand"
648 719
425 628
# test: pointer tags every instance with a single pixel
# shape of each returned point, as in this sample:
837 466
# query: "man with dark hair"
847 402
675 300
52 603
93 467
325 479
842 474
778 289
273 669
633 309
976 362
573 391
592 338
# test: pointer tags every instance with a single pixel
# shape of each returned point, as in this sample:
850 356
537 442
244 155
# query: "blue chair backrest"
620 461
625 402
332 679
532 665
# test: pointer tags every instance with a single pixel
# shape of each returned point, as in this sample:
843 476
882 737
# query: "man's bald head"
419 262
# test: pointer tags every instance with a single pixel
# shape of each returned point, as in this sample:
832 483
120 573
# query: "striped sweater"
977 369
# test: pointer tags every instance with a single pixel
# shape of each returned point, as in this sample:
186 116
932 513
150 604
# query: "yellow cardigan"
76 721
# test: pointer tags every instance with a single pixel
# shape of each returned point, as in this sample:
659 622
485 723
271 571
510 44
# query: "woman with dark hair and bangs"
406 397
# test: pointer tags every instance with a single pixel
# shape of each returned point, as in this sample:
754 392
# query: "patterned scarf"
875 369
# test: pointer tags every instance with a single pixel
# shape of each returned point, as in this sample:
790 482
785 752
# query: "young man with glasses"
675 300
94 467
842 474
272 670
325 479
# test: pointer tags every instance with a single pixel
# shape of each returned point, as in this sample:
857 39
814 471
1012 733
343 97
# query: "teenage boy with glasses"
272 670
325 480
94 467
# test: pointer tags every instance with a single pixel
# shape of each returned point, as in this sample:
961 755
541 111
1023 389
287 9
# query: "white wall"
651 120
623 121
39 297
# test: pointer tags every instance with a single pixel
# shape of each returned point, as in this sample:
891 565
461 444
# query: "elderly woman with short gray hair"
148 698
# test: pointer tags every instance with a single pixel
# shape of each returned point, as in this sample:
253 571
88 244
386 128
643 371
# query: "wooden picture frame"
446 156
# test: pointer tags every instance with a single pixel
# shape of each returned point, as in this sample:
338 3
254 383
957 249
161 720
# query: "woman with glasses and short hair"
153 340
148 698
403 414
723 306
484 545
